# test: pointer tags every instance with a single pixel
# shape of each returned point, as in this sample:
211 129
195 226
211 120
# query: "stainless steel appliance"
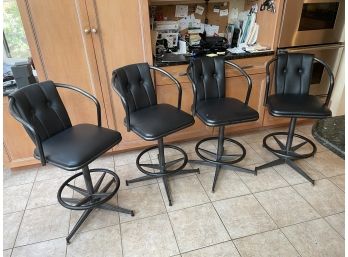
312 22
330 54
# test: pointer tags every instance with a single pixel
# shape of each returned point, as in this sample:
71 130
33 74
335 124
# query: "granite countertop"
330 133
229 56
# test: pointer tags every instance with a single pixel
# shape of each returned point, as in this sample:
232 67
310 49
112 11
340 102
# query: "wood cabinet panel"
237 87
254 65
67 53
18 146
123 38
169 94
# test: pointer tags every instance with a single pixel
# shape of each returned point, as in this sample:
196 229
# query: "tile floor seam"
24 211
38 242
333 227
311 204
228 233
170 221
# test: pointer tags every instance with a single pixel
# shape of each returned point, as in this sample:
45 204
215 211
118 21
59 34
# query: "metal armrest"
268 80
194 90
250 85
331 80
38 142
174 80
79 90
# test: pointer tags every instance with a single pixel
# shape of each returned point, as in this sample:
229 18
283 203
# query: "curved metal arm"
268 80
174 80
250 84
331 80
194 90
82 92
123 100
38 142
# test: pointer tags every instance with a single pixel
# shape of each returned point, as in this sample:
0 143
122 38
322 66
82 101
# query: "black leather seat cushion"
225 111
157 121
78 146
306 106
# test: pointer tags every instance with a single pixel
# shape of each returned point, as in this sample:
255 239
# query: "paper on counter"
199 10
183 23
236 50
181 11
234 14
217 10
224 12
211 30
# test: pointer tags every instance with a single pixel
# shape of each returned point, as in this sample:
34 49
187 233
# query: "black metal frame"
287 153
162 167
219 155
92 197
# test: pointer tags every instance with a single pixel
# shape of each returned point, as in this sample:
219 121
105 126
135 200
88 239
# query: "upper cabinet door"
62 49
122 37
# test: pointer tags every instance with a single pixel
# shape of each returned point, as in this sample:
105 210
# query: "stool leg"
143 178
270 164
299 170
219 154
110 207
166 186
217 171
83 217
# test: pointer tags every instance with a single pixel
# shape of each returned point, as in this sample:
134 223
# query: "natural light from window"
15 42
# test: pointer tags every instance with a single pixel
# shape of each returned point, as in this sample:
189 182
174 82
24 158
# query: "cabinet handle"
87 30
94 30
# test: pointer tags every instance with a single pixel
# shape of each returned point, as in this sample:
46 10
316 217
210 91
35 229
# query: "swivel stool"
152 121
216 110
39 108
291 99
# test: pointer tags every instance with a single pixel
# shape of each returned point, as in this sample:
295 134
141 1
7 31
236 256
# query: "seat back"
293 73
208 77
134 84
40 105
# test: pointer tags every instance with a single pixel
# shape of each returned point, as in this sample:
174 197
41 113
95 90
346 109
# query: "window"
15 42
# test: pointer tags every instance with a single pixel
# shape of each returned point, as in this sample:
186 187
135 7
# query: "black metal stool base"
162 169
93 196
218 158
286 152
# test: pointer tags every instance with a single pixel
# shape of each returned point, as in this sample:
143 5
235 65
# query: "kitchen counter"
229 56
330 133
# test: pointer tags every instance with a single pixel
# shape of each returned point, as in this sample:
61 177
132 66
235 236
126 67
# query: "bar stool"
293 72
151 121
214 109
39 108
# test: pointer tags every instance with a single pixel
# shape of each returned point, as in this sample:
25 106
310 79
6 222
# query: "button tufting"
299 70
284 70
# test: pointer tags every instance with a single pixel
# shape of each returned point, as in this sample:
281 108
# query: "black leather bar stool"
214 109
41 111
293 72
150 120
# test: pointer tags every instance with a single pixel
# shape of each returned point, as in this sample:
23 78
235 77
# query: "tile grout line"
170 221
211 202
24 211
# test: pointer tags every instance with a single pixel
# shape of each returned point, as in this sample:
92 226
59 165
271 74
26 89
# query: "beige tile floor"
277 213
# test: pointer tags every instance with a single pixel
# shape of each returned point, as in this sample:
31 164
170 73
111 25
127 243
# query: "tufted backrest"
208 76
293 73
41 106
134 83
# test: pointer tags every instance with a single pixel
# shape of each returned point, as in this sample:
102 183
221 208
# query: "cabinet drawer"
252 66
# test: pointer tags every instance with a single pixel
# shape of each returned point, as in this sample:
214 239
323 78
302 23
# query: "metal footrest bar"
287 153
92 197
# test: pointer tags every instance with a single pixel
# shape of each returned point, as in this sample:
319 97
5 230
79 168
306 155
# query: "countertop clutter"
170 59
182 32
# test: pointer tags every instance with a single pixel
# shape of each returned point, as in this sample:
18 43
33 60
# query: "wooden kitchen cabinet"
80 43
